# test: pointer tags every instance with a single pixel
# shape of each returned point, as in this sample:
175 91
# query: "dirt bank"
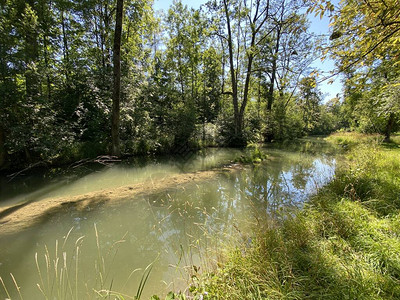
25 215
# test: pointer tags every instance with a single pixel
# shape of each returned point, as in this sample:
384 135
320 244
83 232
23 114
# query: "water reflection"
175 228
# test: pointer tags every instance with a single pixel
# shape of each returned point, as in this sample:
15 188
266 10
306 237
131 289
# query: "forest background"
80 79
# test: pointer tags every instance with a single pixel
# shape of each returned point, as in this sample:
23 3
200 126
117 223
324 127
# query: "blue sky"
318 26
164 4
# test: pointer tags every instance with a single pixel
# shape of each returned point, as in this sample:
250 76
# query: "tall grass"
344 244
348 140
59 273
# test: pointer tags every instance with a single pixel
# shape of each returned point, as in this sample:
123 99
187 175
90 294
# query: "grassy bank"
343 245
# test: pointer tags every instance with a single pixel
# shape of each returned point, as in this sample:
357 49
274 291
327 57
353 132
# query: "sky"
317 26
164 4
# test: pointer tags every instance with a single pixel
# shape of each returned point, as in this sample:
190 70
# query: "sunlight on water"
179 229
74 183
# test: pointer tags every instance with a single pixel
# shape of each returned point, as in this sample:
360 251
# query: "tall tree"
240 29
309 102
117 79
286 54
185 45
364 42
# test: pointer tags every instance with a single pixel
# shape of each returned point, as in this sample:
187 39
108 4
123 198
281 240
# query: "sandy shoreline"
19 217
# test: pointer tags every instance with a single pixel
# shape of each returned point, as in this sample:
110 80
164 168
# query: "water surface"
175 230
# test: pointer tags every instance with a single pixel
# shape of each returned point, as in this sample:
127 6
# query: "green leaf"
170 296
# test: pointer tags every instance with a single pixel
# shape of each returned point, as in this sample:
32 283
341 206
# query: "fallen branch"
105 160
12 176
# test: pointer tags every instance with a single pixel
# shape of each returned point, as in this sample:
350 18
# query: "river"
176 230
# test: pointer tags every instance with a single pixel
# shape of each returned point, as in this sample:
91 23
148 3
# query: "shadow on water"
180 225
310 145
36 184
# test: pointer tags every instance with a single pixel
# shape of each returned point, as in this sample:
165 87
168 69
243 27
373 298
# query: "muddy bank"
25 215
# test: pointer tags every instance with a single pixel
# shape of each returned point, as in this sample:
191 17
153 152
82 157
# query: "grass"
343 245
59 273
395 138
351 139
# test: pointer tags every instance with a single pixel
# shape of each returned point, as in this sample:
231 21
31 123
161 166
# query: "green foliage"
373 106
253 156
343 245
226 130
287 121
349 140
363 42
170 296
56 78
362 32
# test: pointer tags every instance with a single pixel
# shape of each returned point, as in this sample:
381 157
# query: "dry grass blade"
66 237
129 277
40 276
4 287
16 286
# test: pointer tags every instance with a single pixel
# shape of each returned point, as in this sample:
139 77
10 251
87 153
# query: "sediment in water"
23 216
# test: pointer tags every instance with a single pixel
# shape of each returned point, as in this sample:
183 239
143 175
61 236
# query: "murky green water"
175 229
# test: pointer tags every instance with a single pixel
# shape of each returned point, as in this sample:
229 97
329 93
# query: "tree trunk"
270 95
65 49
46 62
117 79
2 148
237 122
389 128
107 21
247 81
239 111
31 58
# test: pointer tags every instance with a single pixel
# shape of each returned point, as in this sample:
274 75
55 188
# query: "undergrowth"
344 244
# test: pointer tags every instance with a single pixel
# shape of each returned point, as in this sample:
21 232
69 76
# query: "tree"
364 42
309 102
372 101
117 79
390 107
209 102
240 29
185 34
286 55
363 31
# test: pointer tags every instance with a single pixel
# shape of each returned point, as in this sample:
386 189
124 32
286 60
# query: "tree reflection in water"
182 228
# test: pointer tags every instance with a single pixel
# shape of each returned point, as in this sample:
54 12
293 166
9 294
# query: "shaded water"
175 229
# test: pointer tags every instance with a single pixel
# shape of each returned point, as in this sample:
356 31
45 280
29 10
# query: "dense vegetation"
343 245
76 73
79 79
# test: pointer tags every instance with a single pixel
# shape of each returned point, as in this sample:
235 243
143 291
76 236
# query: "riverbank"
344 244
